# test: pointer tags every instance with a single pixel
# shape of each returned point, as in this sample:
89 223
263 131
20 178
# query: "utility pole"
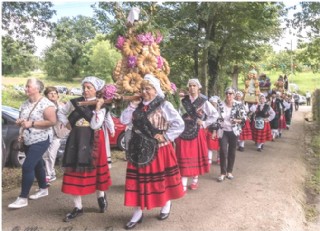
291 56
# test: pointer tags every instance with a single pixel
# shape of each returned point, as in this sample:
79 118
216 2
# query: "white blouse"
210 111
96 121
34 135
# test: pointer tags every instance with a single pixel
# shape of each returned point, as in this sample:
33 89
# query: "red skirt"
282 122
246 133
262 135
193 155
153 185
213 143
84 183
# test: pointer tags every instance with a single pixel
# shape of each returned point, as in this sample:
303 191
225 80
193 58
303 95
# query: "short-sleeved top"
35 135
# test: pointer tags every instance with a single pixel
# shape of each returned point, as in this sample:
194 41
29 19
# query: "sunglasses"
229 93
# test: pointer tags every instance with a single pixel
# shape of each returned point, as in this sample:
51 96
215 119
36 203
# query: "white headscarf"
239 93
214 99
196 81
262 95
96 82
155 83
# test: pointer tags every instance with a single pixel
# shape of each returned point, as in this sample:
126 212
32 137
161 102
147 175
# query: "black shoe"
75 212
262 146
163 216
241 149
279 135
131 225
259 149
103 203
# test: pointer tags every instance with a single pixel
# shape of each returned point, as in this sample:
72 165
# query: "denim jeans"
33 166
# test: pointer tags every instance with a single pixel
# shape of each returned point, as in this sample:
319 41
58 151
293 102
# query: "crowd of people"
164 148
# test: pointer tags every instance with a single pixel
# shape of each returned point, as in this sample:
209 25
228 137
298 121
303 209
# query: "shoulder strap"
21 130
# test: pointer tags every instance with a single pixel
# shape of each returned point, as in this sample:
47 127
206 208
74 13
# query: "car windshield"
13 112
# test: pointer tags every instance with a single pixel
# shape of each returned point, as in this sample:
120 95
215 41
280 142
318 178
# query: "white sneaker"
19 203
52 178
41 193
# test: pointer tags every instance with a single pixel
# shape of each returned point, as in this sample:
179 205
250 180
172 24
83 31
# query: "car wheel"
121 144
16 157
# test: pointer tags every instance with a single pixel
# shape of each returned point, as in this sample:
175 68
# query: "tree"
101 58
64 59
217 34
308 20
16 57
79 28
21 21
24 20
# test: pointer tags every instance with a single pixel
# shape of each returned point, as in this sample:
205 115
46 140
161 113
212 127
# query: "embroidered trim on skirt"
263 135
282 122
246 133
193 155
153 185
84 183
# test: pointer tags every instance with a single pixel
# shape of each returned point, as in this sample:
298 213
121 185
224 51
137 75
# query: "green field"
306 81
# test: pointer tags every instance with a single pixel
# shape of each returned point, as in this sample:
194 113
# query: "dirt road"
266 194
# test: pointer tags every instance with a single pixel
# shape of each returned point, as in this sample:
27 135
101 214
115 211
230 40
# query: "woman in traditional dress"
85 157
246 133
191 146
153 178
261 131
212 134
276 123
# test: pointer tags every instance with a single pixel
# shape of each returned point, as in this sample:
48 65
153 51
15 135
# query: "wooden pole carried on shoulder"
110 101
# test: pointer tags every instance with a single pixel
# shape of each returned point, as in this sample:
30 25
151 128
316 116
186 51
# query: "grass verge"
312 183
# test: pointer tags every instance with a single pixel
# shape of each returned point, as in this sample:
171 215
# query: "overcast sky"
69 8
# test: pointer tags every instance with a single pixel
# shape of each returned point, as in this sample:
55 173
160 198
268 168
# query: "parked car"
118 139
62 89
19 88
75 91
10 133
4 154
301 99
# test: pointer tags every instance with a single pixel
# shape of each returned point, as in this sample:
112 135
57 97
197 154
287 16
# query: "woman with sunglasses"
233 114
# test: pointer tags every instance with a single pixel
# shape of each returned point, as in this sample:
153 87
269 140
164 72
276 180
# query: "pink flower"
173 87
120 42
109 91
132 61
141 38
145 39
149 38
160 62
